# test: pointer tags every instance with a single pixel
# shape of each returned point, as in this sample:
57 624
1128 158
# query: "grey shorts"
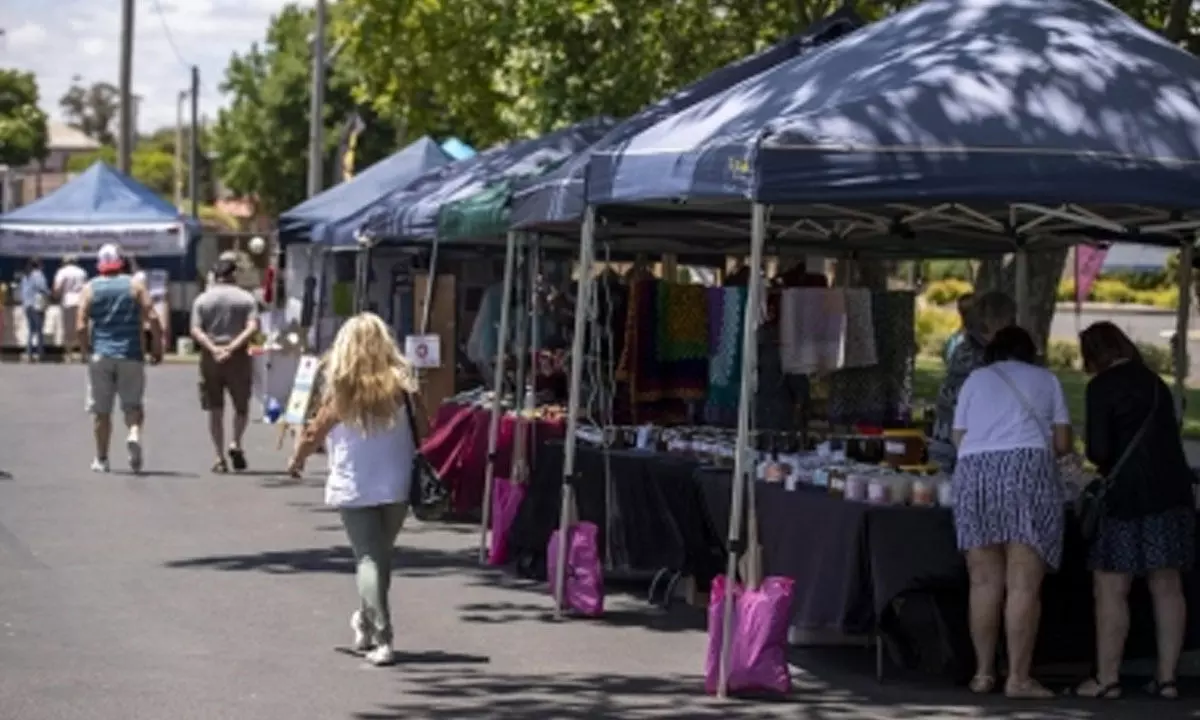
112 378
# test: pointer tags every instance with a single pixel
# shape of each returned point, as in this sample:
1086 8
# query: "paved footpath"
179 595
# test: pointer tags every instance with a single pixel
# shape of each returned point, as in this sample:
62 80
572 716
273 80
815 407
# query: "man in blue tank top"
113 309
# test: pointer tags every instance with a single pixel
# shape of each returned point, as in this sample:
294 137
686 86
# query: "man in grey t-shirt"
224 320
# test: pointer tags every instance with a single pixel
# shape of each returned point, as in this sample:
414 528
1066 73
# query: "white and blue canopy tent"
99 206
966 127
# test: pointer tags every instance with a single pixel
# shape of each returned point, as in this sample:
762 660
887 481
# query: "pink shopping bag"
584 578
758 653
506 501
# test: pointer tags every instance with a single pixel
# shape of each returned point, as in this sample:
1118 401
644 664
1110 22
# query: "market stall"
876 144
99 206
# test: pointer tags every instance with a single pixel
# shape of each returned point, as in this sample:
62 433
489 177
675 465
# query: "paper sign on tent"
423 351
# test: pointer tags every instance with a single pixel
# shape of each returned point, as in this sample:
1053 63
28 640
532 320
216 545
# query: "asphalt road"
178 595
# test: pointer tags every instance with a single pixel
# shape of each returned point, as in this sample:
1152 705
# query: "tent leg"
429 287
1182 318
489 475
741 466
1022 287
582 304
522 348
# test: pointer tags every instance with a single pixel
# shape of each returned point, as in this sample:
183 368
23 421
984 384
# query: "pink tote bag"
584 578
758 653
506 501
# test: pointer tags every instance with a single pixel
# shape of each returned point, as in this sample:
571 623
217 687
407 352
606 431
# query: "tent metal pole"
522 349
429 283
1022 287
741 464
587 251
1182 317
510 254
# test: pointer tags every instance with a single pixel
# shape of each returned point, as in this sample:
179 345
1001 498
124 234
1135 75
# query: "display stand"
304 388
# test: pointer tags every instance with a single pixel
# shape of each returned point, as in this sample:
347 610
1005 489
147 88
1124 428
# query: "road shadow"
172 474
407 562
5 475
679 618
478 693
424 657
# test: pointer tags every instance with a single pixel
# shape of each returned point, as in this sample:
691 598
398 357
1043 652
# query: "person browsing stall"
113 308
224 320
363 420
1010 424
1149 524
68 287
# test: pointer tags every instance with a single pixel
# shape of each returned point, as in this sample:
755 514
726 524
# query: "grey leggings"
372 532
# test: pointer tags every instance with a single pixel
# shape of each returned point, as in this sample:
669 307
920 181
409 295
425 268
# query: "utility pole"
317 105
183 95
194 150
125 138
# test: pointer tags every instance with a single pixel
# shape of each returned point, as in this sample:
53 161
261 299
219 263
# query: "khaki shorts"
70 336
112 378
235 376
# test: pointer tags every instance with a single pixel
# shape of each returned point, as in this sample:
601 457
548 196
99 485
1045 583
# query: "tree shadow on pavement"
469 693
679 618
408 561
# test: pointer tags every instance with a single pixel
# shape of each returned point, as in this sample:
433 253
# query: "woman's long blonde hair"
366 375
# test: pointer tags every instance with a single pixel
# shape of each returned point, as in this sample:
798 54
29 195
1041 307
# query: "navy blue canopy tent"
555 202
414 214
332 216
99 206
957 124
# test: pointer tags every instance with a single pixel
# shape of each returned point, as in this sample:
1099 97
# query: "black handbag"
428 496
1091 506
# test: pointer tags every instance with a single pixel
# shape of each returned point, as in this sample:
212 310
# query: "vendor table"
862 568
457 447
657 522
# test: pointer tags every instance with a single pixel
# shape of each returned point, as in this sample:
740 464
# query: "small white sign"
423 351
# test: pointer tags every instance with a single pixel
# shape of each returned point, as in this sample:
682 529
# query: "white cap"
109 258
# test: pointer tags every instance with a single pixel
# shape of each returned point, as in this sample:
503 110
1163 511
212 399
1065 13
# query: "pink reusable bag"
584 579
506 501
758 653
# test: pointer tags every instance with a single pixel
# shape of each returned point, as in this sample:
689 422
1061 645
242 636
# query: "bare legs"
1005 579
216 430
1170 622
102 432
241 419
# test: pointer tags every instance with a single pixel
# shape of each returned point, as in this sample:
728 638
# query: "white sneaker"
362 631
134 446
381 656
99 466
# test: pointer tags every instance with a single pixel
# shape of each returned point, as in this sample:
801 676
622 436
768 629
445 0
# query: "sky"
59 39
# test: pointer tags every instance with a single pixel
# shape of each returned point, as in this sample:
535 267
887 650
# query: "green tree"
150 166
92 109
261 139
23 132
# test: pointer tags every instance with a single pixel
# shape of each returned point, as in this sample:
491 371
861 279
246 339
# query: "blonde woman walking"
363 421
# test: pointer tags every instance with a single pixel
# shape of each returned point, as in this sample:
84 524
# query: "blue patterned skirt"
1010 496
1164 541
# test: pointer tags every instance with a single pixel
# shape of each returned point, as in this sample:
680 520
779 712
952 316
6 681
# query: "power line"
162 20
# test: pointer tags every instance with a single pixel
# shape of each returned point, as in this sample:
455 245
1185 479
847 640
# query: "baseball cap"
109 258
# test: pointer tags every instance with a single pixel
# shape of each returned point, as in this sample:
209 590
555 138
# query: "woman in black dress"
1149 527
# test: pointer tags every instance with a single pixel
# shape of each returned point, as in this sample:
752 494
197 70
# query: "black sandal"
1160 689
238 457
1112 691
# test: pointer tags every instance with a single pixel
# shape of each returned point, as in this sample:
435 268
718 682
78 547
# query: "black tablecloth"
657 522
856 564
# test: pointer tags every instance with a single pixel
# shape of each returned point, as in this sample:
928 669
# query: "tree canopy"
92 109
23 132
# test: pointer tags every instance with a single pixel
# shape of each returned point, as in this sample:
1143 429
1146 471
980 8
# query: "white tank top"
366 470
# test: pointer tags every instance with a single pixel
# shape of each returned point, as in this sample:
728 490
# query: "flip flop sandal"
1111 691
238 457
982 684
1159 689
220 466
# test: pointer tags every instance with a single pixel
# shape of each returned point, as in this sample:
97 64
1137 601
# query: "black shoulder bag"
1092 504
428 496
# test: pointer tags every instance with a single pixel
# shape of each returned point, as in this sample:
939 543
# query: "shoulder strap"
1046 430
412 421
1134 442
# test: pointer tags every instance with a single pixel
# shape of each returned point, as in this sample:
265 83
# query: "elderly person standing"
68 289
983 317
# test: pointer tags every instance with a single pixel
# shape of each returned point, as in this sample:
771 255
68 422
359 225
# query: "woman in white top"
1010 424
363 422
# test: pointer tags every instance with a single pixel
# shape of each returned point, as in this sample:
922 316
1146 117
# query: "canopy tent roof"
412 215
556 202
338 211
100 195
954 125
99 205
